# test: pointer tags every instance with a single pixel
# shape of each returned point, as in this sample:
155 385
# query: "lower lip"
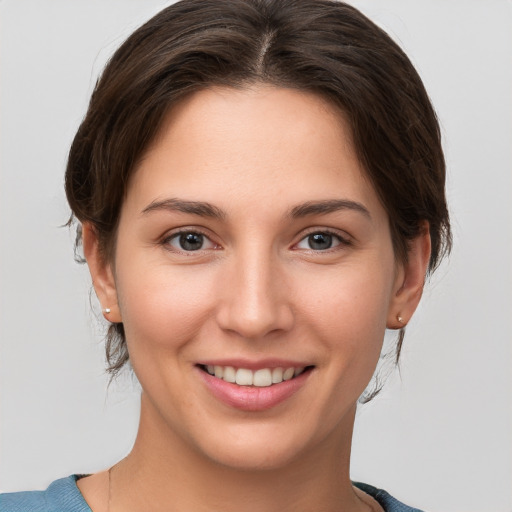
253 398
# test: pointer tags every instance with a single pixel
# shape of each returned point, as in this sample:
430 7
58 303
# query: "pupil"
320 241
191 241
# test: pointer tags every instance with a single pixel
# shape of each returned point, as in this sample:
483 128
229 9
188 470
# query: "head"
322 49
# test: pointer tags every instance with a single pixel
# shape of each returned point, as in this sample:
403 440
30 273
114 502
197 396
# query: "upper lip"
255 365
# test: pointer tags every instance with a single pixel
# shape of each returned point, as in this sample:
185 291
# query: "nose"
255 298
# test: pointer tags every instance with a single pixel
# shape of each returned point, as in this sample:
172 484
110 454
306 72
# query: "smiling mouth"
263 377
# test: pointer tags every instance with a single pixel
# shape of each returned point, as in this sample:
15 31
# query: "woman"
260 191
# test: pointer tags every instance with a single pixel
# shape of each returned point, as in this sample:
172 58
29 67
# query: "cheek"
346 312
163 307
354 298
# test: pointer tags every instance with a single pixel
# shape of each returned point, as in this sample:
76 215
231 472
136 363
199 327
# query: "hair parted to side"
320 46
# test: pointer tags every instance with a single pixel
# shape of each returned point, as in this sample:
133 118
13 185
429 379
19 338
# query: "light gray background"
438 437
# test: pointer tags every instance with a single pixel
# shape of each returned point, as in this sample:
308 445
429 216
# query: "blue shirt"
63 495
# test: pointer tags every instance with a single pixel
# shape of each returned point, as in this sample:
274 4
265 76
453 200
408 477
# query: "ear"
102 274
410 280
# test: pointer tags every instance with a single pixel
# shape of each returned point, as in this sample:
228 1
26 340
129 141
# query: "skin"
256 289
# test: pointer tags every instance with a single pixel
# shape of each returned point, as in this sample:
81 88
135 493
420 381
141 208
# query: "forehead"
261 144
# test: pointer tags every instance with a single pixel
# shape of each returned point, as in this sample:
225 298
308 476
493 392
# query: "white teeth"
243 377
260 378
277 375
288 373
229 374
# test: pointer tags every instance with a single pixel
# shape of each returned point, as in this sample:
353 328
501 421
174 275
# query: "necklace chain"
109 487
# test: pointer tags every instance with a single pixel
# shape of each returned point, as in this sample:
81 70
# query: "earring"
106 311
398 317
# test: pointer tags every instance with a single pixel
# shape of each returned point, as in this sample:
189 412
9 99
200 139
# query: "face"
254 273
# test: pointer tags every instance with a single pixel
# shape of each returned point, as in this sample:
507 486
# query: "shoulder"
62 495
386 501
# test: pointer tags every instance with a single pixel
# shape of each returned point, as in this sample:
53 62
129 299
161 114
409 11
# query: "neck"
164 469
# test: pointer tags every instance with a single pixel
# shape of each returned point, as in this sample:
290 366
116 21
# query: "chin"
258 448
255 457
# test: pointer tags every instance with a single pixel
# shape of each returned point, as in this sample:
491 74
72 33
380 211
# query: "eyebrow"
204 209
327 206
200 208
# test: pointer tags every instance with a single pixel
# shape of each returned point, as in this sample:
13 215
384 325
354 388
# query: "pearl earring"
400 319
106 311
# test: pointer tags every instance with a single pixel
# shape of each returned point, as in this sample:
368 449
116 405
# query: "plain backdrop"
439 435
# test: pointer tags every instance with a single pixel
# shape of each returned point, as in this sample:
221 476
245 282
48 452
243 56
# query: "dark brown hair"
322 46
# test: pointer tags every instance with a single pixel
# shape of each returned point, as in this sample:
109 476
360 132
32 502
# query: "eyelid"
175 233
344 239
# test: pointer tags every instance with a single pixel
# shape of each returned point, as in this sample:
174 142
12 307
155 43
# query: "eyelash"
342 241
166 241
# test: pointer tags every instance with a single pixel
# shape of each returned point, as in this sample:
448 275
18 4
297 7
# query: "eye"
320 241
189 241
